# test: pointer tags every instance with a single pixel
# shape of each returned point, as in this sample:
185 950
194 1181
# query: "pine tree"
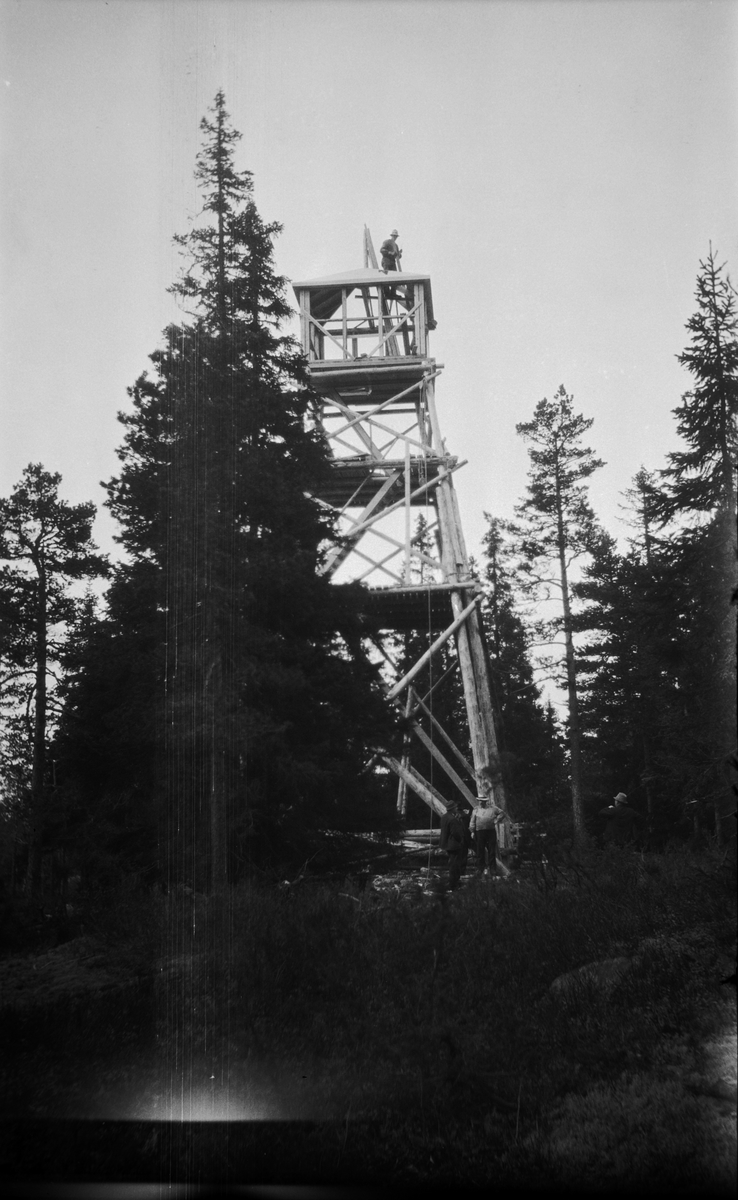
46 544
558 527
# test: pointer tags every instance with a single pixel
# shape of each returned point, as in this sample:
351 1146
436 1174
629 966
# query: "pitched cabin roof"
326 292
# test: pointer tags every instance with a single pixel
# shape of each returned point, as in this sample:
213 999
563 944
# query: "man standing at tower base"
483 826
454 841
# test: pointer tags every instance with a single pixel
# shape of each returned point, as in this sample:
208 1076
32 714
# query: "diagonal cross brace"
337 556
420 705
415 780
360 527
444 472
440 641
372 412
443 762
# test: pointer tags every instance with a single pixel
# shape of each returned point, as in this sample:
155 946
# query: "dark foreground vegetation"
406 1037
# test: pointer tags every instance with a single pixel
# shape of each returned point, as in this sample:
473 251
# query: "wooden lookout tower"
365 334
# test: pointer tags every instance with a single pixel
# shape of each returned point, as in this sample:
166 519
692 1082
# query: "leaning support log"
440 641
419 785
479 664
420 706
443 762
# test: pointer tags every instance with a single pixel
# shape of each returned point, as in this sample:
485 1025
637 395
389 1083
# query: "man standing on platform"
391 252
483 826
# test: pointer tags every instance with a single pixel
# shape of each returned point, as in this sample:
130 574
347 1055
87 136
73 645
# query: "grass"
425 1024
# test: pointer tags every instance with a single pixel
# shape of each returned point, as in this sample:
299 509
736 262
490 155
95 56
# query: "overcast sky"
559 168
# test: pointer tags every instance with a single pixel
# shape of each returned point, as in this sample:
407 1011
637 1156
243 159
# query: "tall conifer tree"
45 544
702 479
266 710
558 527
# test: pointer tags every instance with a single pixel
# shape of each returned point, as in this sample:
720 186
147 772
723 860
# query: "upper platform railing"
365 316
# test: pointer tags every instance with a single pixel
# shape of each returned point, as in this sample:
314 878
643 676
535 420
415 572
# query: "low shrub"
437 1009
637 1132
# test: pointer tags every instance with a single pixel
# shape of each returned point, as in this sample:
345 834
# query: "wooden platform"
364 383
407 610
353 482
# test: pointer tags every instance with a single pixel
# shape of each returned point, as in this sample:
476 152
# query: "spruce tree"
558 526
701 479
702 730
649 669
268 712
642 501
623 685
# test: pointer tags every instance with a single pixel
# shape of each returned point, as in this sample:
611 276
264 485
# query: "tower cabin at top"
365 332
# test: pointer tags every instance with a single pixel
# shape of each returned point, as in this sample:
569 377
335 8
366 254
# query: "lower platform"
368 382
406 610
353 482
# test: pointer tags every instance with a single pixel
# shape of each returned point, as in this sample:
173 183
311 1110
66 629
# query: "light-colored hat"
394 233
621 798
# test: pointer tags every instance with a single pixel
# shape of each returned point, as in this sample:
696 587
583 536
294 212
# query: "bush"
435 1011
640 1131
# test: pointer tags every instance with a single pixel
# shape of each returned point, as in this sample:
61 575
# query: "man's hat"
621 798
394 233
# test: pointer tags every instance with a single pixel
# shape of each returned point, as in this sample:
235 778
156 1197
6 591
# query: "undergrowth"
431 1016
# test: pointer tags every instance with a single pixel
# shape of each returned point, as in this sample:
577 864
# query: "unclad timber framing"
365 337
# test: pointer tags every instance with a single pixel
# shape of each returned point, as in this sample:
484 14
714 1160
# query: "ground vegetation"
570 1026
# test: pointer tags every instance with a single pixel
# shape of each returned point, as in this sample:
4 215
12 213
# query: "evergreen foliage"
222 703
699 741
652 678
559 526
267 713
659 667
626 681
702 477
45 545
111 728
530 747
